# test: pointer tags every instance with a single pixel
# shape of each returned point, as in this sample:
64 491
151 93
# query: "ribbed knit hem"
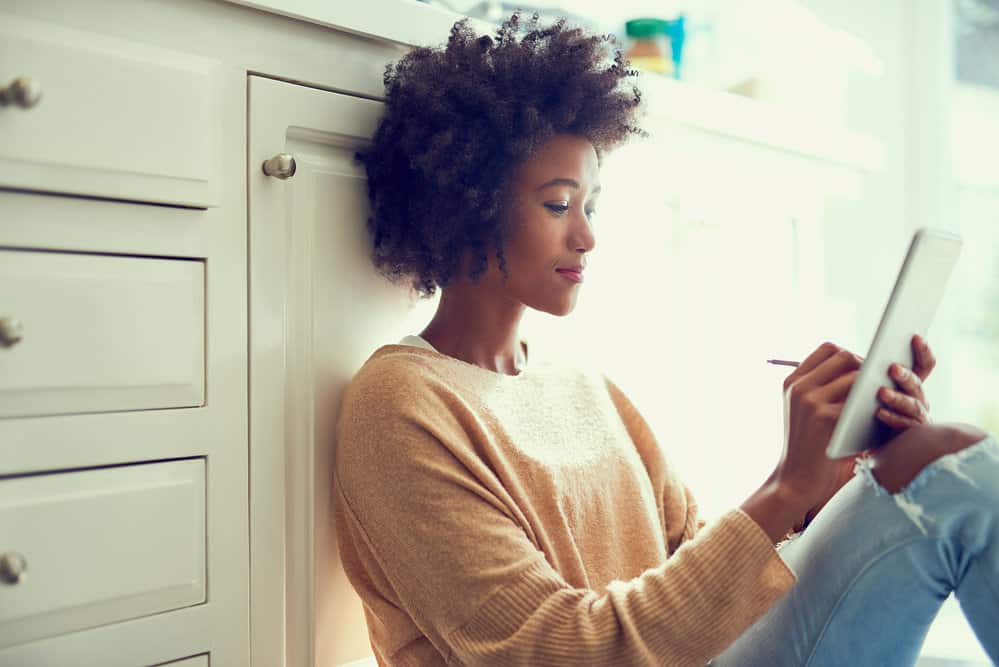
686 611
747 576
782 572
782 575
519 600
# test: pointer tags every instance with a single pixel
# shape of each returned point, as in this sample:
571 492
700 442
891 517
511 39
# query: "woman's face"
553 198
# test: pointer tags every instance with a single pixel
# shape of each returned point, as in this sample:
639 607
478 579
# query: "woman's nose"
583 239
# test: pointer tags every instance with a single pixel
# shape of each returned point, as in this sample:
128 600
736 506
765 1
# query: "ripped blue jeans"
874 568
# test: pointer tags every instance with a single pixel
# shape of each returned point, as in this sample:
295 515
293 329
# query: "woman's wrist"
776 509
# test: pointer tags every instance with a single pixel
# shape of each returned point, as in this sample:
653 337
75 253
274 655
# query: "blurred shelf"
755 121
414 23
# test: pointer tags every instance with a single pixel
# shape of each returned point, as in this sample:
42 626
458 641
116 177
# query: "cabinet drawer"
99 333
115 118
99 546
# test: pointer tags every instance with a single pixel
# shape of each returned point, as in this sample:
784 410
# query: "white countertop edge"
404 21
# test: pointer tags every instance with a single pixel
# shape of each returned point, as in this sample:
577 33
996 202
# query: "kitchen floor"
951 641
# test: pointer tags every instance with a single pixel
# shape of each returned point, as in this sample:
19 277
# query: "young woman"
497 508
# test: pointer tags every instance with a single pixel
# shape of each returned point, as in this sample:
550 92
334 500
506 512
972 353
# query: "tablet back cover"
914 300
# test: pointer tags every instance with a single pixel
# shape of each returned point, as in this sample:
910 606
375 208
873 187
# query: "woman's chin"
560 309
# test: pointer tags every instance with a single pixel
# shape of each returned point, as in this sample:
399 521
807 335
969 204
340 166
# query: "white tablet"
918 291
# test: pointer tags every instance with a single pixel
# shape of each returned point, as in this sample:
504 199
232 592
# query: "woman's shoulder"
394 392
398 359
393 371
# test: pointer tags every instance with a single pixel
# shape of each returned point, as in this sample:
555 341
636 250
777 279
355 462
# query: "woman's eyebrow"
565 181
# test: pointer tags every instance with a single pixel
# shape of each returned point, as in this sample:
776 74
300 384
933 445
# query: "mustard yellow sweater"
489 519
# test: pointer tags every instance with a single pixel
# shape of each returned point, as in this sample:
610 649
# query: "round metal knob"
11 331
22 92
280 166
13 567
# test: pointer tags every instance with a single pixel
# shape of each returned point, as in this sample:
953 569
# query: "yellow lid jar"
648 45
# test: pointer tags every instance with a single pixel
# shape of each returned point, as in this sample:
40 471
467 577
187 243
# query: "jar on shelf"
648 45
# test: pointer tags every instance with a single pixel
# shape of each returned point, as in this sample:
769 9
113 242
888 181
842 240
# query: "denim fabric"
874 567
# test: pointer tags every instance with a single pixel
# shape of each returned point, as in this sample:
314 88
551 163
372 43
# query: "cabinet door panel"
318 310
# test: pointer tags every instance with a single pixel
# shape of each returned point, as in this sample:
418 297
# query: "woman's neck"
478 330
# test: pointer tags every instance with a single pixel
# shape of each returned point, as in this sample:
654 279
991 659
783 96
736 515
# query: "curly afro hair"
457 123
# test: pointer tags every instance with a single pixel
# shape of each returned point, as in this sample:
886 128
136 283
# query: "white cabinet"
123 461
318 310
128 222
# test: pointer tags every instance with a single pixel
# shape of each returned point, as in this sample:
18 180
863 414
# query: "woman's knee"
965 435
896 463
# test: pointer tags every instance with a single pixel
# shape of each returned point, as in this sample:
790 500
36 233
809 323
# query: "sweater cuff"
757 540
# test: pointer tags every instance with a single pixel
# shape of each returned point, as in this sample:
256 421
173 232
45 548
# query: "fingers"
907 408
896 421
909 382
833 368
837 390
827 374
924 361
821 353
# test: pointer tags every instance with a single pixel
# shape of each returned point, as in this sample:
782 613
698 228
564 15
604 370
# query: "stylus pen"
782 362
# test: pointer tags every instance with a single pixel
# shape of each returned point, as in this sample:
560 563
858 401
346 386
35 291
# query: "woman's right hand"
814 395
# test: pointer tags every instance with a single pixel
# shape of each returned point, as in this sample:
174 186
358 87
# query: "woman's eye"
559 209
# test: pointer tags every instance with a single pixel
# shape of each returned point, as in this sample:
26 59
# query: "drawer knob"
13 567
22 92
11 331
280 166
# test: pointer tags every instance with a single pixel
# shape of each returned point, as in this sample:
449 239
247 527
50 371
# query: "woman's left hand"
906 406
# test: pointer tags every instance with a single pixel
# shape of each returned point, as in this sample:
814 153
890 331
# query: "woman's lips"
575 276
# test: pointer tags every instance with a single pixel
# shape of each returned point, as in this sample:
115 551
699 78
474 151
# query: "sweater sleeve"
677 498
462 566
694 521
